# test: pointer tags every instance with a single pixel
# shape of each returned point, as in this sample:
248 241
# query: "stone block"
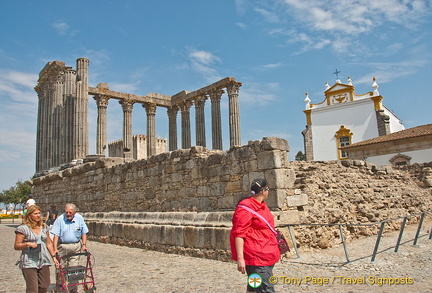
297 200
270 160
226 202
189 236
173 236
274 143
280 178
275 199
287 217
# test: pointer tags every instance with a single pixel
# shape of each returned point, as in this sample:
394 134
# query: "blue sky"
278 49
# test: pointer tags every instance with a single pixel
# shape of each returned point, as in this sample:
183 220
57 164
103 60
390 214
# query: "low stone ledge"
204 219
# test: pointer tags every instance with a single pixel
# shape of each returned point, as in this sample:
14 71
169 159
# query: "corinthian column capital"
215 94
200 101
185 106
101 101
126 105
233 88
150 108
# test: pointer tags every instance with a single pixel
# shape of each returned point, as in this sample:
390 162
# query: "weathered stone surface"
297 200
189 189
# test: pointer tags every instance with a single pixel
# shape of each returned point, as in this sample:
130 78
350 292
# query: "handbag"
282 243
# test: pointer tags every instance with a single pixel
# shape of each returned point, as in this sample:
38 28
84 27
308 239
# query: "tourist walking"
30 201
68 230
253 243
32 238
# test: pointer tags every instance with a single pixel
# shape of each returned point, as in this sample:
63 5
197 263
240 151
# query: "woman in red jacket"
253 244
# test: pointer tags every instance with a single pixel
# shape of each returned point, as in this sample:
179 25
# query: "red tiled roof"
417 131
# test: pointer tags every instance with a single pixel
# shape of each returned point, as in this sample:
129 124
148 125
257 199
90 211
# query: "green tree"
16 194
300 156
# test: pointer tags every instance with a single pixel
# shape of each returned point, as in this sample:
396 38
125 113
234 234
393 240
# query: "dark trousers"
265 273
37 280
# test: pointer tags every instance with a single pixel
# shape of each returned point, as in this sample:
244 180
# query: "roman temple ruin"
62 127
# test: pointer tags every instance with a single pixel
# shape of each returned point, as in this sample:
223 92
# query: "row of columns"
172 111
62 130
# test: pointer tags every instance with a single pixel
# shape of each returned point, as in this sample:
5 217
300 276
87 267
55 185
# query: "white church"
344 118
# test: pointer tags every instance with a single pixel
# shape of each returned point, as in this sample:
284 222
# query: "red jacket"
260 244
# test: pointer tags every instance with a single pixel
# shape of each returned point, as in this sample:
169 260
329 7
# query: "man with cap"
30 201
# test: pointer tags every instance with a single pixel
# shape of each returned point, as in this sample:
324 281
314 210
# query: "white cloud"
61 27
204 63
241 25
326 23
271 65
268 15
258 94
355 16
386 72
17 86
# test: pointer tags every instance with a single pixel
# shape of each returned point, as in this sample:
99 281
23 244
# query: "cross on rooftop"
337 73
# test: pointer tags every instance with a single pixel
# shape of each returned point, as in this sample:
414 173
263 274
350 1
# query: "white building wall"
395 124
357 116
420 156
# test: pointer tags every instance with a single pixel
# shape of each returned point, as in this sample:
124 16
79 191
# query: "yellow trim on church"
377 102
308 117
342 132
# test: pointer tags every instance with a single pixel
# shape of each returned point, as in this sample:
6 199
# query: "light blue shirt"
69 231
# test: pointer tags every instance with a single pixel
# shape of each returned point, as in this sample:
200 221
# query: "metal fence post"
400 234
419 228
344 243
293 241
378 241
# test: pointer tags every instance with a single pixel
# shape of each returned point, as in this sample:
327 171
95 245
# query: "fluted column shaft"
172 121
48 142
234 113
127 128
186 131
57 123
151 128
200 121
101 135
215 97
68 115
80 133
40 127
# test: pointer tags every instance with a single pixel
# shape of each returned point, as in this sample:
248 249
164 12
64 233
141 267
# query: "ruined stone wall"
357 192
182 201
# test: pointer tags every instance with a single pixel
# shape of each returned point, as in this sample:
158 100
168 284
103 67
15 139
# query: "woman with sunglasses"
253 243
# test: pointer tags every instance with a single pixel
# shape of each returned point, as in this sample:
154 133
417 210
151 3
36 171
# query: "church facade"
344 118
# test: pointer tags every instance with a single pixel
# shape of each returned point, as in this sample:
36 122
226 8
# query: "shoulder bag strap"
259 216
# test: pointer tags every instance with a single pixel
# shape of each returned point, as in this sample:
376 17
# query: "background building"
344 118
401 148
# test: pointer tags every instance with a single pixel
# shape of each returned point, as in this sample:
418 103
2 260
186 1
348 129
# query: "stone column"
186 131
68 115
234 114
80 146
40 127
57 123
48 140
200 120
127 128
215 97
101 136
172 121
151 128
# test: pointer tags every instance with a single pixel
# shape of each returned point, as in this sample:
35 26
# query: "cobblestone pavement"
124 269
